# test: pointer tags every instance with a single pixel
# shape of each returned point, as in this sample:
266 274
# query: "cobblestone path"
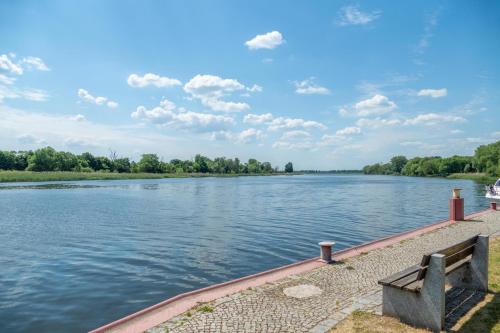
345 287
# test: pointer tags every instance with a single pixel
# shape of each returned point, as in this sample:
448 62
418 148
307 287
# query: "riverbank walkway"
315 301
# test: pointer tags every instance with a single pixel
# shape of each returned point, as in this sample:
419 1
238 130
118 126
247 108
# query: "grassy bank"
482 318
478 177
30 176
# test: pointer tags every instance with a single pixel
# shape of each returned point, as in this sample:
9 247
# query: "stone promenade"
316 300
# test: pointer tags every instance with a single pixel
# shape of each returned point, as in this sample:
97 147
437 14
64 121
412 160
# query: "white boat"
493 191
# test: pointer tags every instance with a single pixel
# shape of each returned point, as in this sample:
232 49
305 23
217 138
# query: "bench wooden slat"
449 250
459 255
399 275
457 265
401 283
411 279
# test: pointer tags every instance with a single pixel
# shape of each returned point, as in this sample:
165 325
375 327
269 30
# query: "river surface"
77 255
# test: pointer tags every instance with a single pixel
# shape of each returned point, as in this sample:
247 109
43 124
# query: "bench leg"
424 309
475 275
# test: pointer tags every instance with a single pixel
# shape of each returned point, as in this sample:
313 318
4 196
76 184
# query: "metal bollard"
326 251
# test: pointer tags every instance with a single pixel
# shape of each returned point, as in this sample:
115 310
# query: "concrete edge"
165 310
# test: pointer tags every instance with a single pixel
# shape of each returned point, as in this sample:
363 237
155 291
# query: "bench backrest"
453 254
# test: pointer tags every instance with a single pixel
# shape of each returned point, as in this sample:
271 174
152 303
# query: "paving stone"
268 309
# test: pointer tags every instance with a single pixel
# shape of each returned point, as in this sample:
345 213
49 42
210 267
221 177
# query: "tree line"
48 159
486 159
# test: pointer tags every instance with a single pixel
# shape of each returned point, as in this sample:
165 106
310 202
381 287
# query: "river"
77 255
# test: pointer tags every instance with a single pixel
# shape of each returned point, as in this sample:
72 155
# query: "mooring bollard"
456 206
493 205
326 251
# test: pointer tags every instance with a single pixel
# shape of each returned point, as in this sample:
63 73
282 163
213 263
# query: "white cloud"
351 15
247 136
112 105
308 87
31 63
87 97
378 104
297 134
79 118
433 119
340 135
411 143
290 123
28 139
304 145
377 122
210 89
34 63
7 79
137 81
256 119
7 64
36 95
431 22
434 93
168 115
269 40
456 131
27 130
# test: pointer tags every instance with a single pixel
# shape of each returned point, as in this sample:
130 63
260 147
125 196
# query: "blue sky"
325 84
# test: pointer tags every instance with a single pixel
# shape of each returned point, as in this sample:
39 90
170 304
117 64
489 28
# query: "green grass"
31 176
205 309
484 317
478 177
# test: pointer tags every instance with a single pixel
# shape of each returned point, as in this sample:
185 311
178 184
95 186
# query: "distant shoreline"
46 176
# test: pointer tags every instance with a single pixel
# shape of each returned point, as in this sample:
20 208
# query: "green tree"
66 161
398 163
149 163
43 159
122 165
7 160
289 167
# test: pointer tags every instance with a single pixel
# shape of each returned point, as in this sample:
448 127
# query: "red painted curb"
133 323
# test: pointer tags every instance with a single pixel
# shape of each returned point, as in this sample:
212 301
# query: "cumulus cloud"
434 93
34 63
7 64
339 136
249 135
290 123
376 105
150 79
297 134
168 115
433 119
377 122
78 118
257 119
352 15
6 79
36 95
211 89
22 130
308 87
87 97
292 145
269 40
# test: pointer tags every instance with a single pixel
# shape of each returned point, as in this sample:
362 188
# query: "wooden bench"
416 295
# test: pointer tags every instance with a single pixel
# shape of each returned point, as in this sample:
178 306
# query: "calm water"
77 255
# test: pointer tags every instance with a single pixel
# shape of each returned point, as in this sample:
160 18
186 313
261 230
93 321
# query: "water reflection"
86 253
